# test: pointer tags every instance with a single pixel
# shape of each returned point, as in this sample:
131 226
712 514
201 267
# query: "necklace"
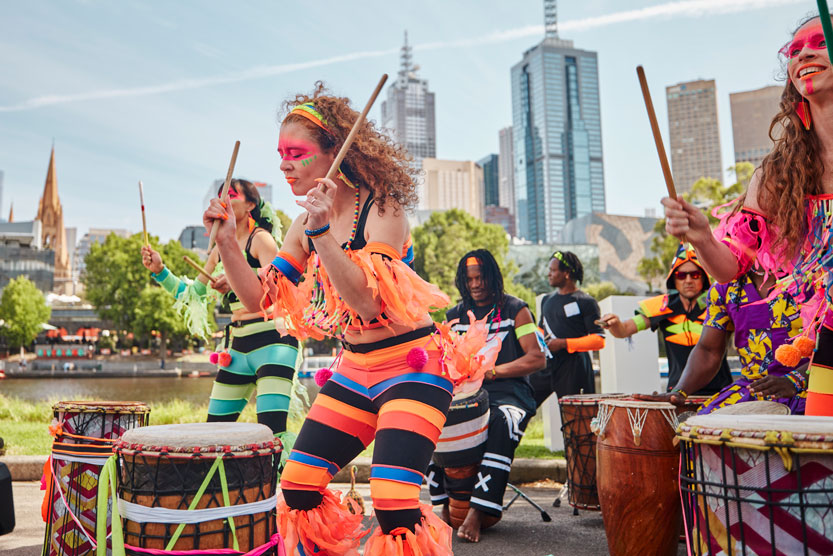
317 315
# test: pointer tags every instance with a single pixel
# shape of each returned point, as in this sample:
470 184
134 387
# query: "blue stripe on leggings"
352 385
273 354
424 378
272 402
307 459
395 474
226 407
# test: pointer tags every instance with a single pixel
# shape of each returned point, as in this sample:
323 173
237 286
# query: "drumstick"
663 160
349 141
195 265
826 26
224 194
144 221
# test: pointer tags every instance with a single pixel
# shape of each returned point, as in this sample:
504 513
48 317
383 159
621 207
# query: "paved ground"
520 533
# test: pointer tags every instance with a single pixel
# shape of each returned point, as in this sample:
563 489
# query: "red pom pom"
322 376
214 357
805 346
788 355
417 358
225 359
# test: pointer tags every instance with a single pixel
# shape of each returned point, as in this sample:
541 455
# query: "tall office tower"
453 184
694 134
1 195
408 114
506 171
557 134
752 112
491 179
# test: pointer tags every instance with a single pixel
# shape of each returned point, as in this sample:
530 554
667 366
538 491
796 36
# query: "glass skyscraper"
557 133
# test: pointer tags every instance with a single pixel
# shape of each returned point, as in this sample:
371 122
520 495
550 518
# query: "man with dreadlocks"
569 318
511 402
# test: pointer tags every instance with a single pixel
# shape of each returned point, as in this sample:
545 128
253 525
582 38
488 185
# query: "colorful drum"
637 469
197 486
84 436
692 404
580 447
758 484
762 407
460 448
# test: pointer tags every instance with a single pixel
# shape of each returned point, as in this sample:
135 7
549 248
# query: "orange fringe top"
313 308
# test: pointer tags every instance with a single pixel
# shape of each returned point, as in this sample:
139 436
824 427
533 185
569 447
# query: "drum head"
636 404
92 406
588 399
753 408
190 436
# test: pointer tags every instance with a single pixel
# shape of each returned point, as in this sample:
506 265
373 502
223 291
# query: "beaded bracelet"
680 392
798 380
318 232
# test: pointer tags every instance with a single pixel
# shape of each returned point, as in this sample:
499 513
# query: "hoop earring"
802 110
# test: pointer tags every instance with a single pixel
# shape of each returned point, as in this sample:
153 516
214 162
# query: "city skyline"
151 113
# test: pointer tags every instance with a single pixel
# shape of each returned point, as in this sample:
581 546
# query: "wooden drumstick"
826 27
144 220
224 194
663 160
342 152
196 266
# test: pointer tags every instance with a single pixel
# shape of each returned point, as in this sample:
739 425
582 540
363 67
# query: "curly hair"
373 160
791 171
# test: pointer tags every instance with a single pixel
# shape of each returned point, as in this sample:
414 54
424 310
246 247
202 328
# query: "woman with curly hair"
344 272
782 226
256 355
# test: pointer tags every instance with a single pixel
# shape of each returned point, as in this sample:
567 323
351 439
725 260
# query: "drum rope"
144 514
599 423
69 510
637 423
671 417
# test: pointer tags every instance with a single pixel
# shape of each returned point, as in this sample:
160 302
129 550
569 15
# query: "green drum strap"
107 490
230 519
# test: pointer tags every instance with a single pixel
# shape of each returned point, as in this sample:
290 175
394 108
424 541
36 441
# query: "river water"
141 389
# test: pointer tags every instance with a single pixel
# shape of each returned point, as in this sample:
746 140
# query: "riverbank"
24 424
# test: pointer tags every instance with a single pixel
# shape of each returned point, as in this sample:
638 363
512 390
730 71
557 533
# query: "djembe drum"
198 486
758 484
84 436
580 447
692 404
460 449
637 469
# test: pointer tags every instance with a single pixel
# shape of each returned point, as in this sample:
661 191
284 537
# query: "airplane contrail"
684 8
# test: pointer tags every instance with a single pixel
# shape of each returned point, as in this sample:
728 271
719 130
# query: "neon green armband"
641 322
524 329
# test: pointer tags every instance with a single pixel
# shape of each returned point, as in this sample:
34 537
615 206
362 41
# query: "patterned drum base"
743 500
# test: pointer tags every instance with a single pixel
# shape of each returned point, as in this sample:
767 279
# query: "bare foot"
470 529
445 515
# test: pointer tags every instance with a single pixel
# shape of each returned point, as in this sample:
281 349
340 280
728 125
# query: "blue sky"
159 91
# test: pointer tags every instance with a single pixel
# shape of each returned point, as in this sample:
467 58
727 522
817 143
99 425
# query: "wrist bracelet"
318 232
798 380
680 392
494 374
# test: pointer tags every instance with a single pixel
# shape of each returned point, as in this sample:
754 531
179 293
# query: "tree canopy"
446 236
23 309
115 278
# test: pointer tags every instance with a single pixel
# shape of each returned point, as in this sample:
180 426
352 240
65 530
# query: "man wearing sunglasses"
679 315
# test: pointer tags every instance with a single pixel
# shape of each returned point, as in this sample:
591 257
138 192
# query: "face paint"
232 193
309 158
298 150
812 37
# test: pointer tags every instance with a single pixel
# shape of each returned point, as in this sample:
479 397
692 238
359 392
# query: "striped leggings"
260 358
374 394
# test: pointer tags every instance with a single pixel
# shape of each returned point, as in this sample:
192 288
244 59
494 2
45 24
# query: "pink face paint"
298 150
812 37
808 83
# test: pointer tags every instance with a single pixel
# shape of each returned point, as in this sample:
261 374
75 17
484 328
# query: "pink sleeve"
748 236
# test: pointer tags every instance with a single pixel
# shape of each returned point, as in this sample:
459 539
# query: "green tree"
706 194
284 220
601 290
23 310
114 276
446 236
155 312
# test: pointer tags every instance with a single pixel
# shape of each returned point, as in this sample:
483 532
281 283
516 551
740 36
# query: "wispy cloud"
668 10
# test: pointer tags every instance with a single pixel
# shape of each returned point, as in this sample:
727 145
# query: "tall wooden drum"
85 432
758 484
198 486
580 447
637 476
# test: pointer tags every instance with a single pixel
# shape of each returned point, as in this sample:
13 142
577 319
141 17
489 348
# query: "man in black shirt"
511 402
569 319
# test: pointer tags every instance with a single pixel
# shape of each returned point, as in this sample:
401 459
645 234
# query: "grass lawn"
24 426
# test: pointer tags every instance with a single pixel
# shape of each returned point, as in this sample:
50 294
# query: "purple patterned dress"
759 327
